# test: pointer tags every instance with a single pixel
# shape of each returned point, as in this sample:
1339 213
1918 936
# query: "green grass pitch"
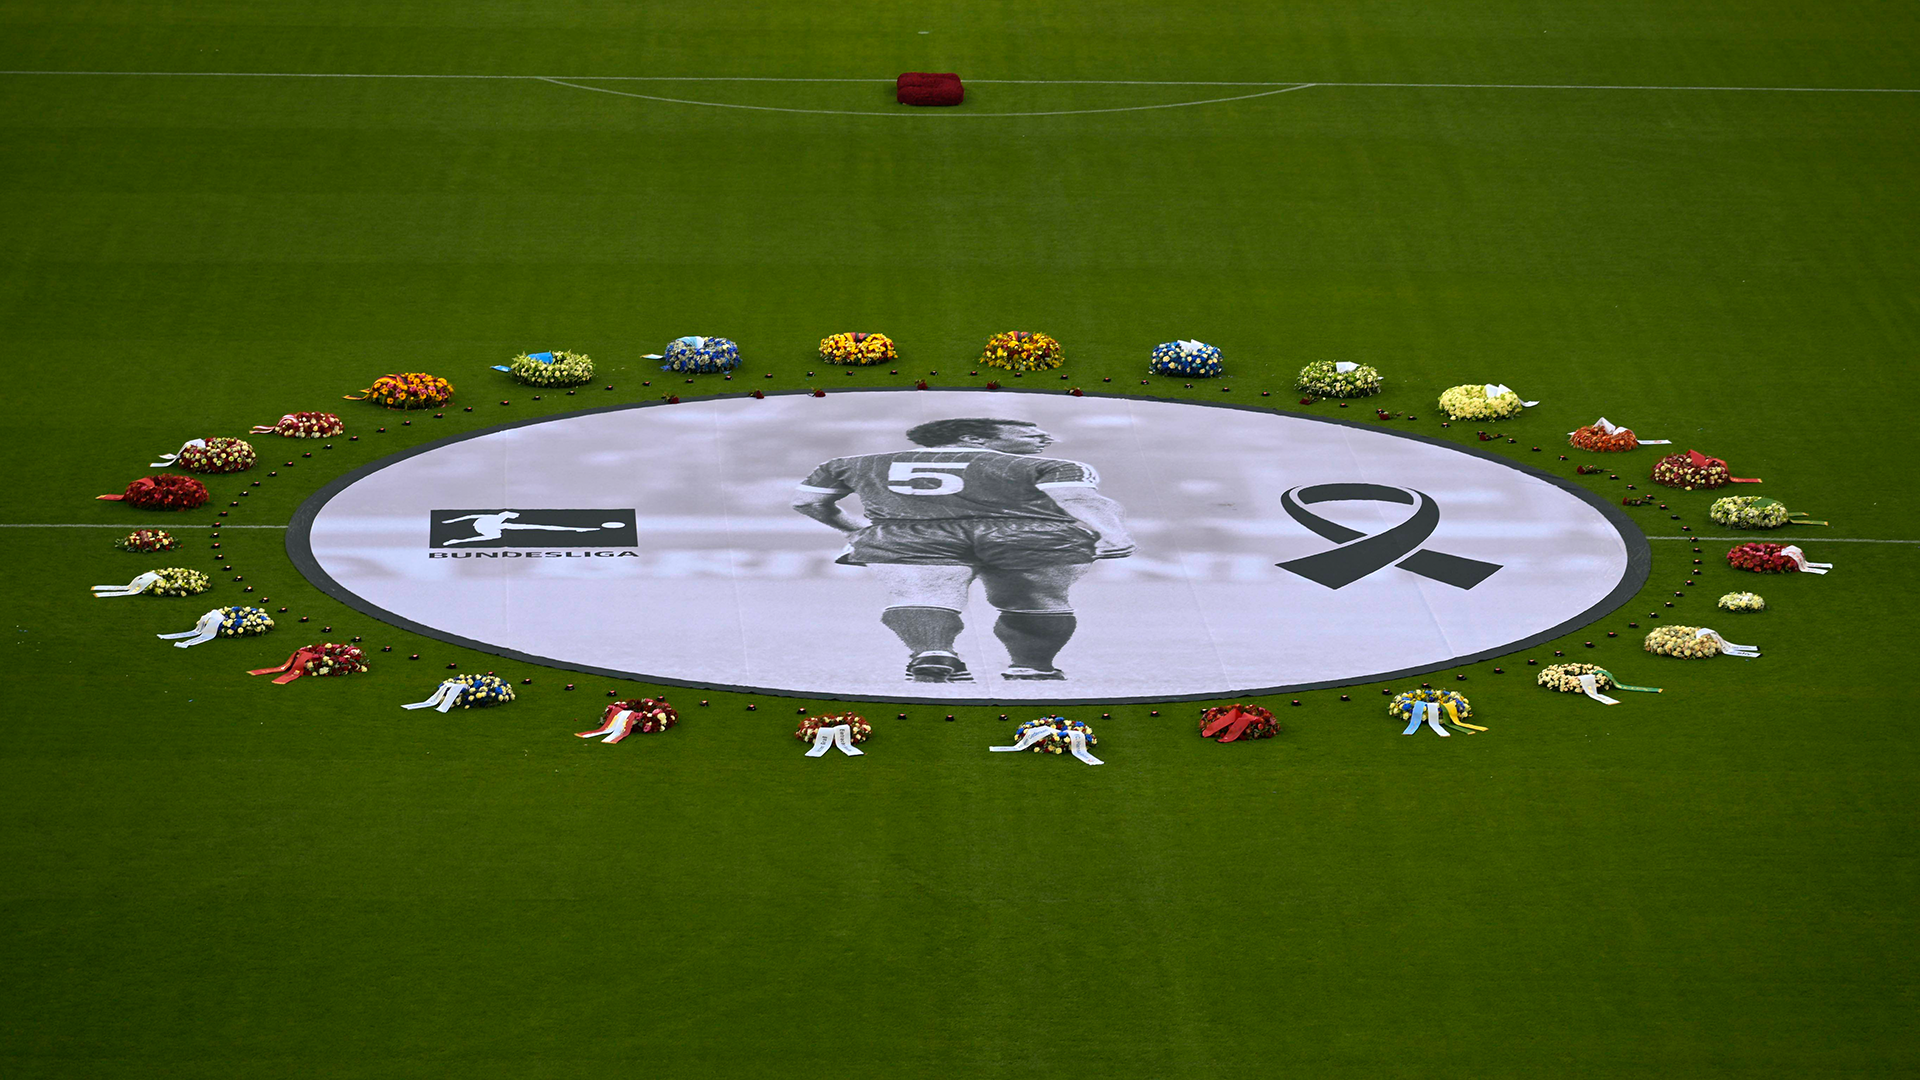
205 876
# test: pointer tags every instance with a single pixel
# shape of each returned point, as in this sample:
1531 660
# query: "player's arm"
1096 512
824 507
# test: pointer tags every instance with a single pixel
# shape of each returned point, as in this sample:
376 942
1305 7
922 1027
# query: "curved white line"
1010 82
942 112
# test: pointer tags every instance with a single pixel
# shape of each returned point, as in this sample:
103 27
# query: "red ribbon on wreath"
296 664
1233 722
1701 461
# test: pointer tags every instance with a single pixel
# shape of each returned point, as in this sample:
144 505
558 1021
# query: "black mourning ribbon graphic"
1360 554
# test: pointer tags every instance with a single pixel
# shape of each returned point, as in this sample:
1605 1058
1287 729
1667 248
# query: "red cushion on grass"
928 88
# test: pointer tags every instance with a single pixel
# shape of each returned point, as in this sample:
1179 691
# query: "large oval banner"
969 547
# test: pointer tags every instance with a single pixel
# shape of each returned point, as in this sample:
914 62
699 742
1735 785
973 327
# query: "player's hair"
948 432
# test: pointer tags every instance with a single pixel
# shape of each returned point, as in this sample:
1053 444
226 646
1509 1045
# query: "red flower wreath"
166 491
1761 558
1694 469
1236 721
651 715
1597 440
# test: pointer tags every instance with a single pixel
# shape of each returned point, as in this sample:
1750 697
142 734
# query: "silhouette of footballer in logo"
489 527
977 501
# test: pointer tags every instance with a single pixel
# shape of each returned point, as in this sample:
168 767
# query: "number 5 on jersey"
944 474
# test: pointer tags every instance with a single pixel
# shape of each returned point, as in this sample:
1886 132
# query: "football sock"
1034 639
924 629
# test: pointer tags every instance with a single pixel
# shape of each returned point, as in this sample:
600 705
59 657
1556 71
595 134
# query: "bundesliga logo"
452 530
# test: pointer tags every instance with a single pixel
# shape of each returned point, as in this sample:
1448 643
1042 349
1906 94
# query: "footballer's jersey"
946 483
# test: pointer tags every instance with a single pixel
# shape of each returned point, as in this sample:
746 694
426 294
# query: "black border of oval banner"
300 550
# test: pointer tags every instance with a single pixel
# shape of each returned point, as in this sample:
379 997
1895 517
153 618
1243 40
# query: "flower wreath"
1192 359
166 581
1693 643
1481 401
147 541
1755 512
1565 678
467 692
1599 440
556 368
859 730
1743 602
165 491
244 621
858 349
1762 558
647 716
1022 350
211 455
699 355
1056 743
408 390
1338 379
1237 721
1451 711
1694 469
222 622
303 425
324 659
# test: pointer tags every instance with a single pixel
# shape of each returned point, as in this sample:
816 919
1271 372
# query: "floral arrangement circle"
1251 722
166 491
216 455
1326 378
1749 512
1565 678
700 355
556 368
1191 359
1056 743
1685 642
1743 602
1601 441
857 349
1022 350
332 659
1472 403
480 691
1691 470
1762 558
1401 707
147 541
244 621
304 425
408 390
178 581
650 715
859 730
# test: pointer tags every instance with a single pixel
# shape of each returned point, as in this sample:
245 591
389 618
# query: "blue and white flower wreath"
699 355
1192 359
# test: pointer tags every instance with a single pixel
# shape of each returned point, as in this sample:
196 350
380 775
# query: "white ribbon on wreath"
1800 560
132 588
203 631
839 735
1744 651
1590 686
1076 743
1608 427
443 698
1494 390
169 459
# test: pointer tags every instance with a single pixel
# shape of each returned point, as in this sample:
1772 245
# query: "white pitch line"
148 525
943 112
997 82
1796 539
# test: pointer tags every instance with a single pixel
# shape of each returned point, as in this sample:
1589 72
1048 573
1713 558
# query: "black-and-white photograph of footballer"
1004 547
977 499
